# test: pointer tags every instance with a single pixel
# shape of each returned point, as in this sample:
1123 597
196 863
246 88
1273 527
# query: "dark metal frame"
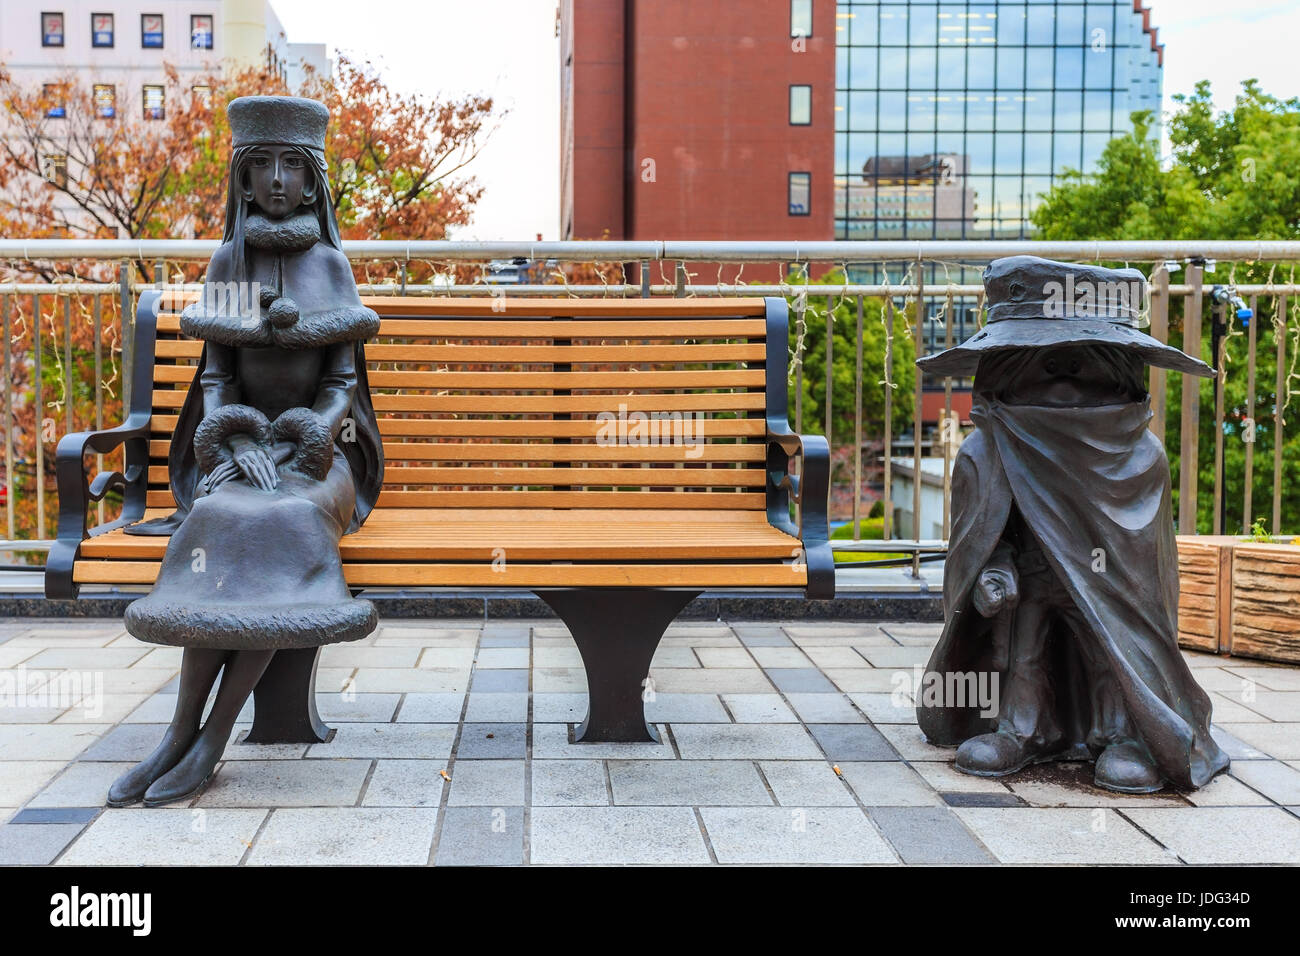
617 630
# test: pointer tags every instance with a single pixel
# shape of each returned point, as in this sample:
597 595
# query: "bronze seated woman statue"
276 452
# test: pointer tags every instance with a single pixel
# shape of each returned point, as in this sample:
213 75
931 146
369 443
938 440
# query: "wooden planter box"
1239 597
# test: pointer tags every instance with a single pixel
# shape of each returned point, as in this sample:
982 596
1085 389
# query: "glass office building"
952 118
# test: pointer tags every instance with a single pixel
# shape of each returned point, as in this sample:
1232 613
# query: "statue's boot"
1127 767
131 786
998 754
191 773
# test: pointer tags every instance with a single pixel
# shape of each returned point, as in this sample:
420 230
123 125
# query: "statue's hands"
221 474
255 463
996 589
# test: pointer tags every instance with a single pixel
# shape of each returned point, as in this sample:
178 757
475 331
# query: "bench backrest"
551 403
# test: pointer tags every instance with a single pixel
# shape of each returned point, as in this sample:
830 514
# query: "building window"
151 31
800 18
105 101
54 167
203 93
153 102
800 105
51 29
800 194
56 106
201 32
101 29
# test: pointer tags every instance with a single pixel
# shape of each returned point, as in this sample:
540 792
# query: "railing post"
1218 315
857 432
39 417
1248 502
1189 436
9 425
1279 330
125 329
886 531
1159 332
947 429
918 345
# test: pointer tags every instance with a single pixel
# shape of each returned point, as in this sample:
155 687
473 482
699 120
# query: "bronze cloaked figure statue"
276 453
1061 581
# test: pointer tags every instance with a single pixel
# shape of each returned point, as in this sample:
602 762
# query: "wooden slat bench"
514 460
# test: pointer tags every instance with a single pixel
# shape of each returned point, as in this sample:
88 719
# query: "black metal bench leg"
284 701
617 631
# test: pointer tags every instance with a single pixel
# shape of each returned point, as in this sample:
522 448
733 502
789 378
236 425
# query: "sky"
507 49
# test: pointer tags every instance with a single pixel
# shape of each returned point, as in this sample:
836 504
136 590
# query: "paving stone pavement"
781 744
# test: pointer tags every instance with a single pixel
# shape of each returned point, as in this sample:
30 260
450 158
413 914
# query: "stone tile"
1070 784
103 709
559 708
685 709
20 780
825 709
238 749
558 680
498 657
406 783
165 837
1234 747
492 741
725 657
617 835
409 741
500 681
508 635
806 783
45 816
1273 704
82 784
1217 679
347 655
424 635
889 783
854 680
379 708
745 742
557 656
967 798
286 783
781 658
459 658
12 655
945 778
67 636
410 680
1068 835
346 836
676 783
927 630
881 708
1227 791
1225 708
673 656
47 742
759 709
711 680
835 657
1275 780
431 708
760 635
800 680
481 836
86 658
756 835
929 835
700 632
911 744
551 742
1224 835
569 783
896 657
828 631
167 657
1281 741
132 680
1279 677
487 783
26 845
852 742
497 708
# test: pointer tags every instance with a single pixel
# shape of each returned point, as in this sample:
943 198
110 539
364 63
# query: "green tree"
1231 175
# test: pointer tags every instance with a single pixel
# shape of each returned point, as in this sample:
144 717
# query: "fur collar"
317 330
294 234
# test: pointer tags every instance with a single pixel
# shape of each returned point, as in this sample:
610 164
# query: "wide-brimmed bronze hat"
1036 303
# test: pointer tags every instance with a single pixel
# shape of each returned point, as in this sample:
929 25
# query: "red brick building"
697 119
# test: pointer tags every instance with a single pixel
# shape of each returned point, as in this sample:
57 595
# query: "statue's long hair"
239 199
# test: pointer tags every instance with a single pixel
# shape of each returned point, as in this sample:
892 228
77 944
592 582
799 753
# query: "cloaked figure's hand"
996 589
221 474
254 462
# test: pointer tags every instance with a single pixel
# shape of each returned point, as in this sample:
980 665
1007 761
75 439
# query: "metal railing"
47 356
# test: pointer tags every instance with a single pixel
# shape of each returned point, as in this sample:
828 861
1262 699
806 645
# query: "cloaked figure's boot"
998 754
1127 767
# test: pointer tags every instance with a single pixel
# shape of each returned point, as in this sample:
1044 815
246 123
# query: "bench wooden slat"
510 574
704 378
550 328
545 451
525 354
678 431
520 305
162 498
664 402
587 477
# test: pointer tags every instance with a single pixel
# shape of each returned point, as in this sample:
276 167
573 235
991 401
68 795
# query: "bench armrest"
77 490
809 490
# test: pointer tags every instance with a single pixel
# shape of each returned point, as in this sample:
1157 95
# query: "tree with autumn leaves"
397 170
